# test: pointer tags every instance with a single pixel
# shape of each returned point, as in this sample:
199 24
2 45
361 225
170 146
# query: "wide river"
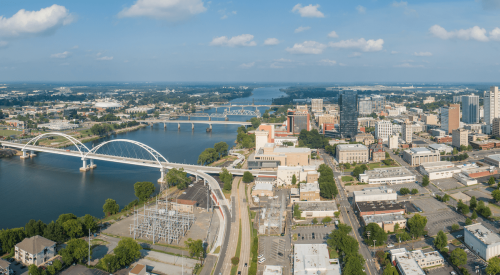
48 185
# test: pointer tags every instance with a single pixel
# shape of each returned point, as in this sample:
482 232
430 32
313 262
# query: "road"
245 231
347 214
235 229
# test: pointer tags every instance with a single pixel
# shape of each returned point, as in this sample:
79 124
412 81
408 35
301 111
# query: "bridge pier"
226 119
189 117
162 177
192 126
165 125
32 154
178 126
92 165
84 167
209 118
216 109
24 156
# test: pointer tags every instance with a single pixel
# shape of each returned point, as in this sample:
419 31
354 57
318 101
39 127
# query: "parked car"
459 236
260 256
390 245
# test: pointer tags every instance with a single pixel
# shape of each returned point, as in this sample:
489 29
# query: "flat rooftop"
383 218
437 165
374 191
365 206
495 157
389 172
309 187
484 234
314 259
351 147
317 206
436 146
420 150
292 150
264 186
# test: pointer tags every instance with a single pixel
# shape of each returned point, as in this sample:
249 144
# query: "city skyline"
195 40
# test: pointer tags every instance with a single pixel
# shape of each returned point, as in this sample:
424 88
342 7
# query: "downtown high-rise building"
348 105
317 105
383 129
407 131
450 118
491 105
470 109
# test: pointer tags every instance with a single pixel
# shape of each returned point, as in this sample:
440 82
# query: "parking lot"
430 205
483 196
276 251
320 233
473 261
442 220
447 184
411 185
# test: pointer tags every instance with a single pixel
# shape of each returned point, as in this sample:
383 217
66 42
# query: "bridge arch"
78 144
156 155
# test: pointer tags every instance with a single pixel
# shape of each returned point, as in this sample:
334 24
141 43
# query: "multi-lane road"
350 219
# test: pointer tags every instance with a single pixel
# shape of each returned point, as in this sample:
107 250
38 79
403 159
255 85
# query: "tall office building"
470 109
298 121
383 129
378 103
450 118
365 106
407 131
348 105
491 105
460 137
317 105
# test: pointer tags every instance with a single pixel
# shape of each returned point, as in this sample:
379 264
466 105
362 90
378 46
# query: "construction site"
272 215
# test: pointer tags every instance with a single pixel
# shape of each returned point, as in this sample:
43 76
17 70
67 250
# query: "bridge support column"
256 109
178 126
24 156
209 118
229 108
151 125
84 167
32 154
92 165
216 109
162 177
196 177
192 126
226 119
164 125
189 117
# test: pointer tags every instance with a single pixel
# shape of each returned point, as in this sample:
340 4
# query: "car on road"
453 273
299 235
302 237
239 272
246 264
459 236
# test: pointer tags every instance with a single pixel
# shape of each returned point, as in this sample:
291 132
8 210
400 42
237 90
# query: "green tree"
327 187
314 221
387 156
78 249
347 166
493 266
247 177
496 195
195 248
255 122
221 148
474 215
354 264
473 203
127 251
417 224
463 208
10 237
373 232
89 223
110 263
227 179
357 171
414 191
491 181
235 260
326 220
390 270
294 179
425 181
296 212
144 190
468 221
65 217
441 240
57 265
33 270
404 191
73 228
54 232
51 270
33 228
458 257
455 227
178 178
110 207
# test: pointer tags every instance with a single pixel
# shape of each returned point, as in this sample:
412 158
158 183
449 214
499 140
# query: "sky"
253 41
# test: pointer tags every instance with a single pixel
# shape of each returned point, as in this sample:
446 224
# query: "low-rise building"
273 270
418 156
314 259
441 148
438 133
16 123
391 175
294 195
309 191
413 262
381 193
477 172
376 151
465 180
271 157
482 241
4 267
493 160
485 144
263 190
439 170
444 139
349 153
379 207
35 250
386 221
135 110
365 138
322 209
139 269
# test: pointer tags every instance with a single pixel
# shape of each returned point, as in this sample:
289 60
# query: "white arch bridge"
119 151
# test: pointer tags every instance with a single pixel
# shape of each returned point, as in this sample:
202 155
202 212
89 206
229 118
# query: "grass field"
9 132
372 166
347 178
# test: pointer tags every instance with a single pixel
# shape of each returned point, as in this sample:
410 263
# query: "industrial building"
441 148
386 221
493 160
392 175
378 207
482 241
317 209
314 259
439 170
375 194
263 190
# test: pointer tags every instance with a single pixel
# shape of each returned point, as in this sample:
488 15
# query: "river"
48 185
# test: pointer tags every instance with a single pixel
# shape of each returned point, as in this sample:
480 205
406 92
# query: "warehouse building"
482 241
493 160
439 170
375 194
392 175
378 207
318 209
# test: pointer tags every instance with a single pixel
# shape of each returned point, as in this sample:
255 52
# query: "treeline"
227 179
244 139
327 187
312 139
347 248
104 128
210 155
107 117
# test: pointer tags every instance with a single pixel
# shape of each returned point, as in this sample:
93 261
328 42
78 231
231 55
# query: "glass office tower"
348 105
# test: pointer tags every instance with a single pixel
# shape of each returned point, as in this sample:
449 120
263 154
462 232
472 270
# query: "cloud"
301 29
235 41
224 17
407 10
362 44
342 64
328 62
399 4
394 52
271 41
308 47
490 4
170 10
60 55
422 54
495 34
361 9
283 60
105 58
355 54
475 33
43 21
408 65
247 65
333 34
75 47
3 44
308 11
275 65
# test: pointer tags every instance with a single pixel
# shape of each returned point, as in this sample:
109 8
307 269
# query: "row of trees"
348 246
312 139
210 155
227 179
460 157
126 252
405 191
104 128
177 178
107 117
327 187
